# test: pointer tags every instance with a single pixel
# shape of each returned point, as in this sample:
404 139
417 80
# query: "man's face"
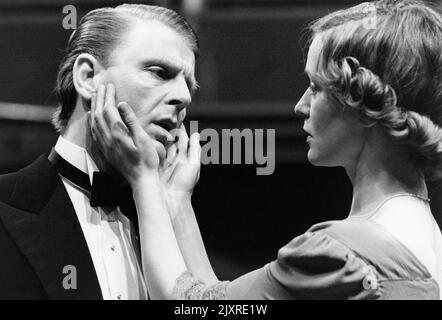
153 70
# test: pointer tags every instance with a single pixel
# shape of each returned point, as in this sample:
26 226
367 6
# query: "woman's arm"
180 173
189 238
162 259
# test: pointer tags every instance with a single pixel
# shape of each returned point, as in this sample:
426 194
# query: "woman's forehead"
314 55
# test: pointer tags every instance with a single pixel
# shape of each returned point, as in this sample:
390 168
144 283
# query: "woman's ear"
86 68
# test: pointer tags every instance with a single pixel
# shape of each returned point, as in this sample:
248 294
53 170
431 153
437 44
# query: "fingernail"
121 108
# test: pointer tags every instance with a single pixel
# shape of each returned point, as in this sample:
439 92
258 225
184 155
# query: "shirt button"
112 247
119 297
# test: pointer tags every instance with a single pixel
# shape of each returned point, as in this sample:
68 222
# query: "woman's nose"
302 108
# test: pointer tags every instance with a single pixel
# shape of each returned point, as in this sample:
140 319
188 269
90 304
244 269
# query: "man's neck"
78 132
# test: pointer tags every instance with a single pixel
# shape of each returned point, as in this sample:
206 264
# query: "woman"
373 106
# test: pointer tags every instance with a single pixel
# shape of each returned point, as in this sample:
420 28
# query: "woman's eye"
313 88
158 71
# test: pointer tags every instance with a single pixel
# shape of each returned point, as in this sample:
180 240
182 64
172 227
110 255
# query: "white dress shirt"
108 236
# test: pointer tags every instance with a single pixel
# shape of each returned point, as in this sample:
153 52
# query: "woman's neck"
382 171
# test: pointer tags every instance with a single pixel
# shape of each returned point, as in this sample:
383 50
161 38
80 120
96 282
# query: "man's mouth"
166 124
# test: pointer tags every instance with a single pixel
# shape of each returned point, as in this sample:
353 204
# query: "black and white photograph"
232 150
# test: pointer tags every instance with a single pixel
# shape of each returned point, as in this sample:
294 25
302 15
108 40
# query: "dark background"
250 72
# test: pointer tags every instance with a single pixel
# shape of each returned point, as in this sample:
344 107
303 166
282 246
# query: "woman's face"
335 135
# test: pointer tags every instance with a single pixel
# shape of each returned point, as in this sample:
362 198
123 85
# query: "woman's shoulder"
376 245
412 224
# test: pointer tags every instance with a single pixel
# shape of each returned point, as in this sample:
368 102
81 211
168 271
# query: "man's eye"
158 71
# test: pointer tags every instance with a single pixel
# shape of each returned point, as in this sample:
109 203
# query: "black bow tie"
103 192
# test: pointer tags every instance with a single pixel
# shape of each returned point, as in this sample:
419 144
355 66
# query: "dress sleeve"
311 266
188 287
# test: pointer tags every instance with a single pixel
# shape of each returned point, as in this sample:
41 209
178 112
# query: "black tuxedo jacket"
40 235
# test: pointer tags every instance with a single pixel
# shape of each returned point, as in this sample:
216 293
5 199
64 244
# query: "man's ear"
85 71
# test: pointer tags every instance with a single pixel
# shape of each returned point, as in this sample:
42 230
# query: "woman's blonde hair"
384 58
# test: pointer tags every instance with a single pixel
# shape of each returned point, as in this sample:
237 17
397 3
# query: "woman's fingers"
97 117
106 124
171 153
159 148
160 134
130 120
183 141
194 148
110 113
109 98
113 123
101 91
92 112
99 122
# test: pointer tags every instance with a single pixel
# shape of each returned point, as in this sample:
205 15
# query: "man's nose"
180 94
302 108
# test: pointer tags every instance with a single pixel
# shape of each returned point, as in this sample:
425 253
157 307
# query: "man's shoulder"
7 183
29 184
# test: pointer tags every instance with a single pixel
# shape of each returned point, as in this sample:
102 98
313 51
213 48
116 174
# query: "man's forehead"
152 42
152 39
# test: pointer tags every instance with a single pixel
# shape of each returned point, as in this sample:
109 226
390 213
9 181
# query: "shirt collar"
80 158
77 156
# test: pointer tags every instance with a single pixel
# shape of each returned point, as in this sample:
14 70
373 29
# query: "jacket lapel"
42 221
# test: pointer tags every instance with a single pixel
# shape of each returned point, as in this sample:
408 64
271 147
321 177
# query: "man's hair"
99 32
384 59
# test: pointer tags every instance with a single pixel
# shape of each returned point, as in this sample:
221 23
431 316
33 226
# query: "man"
58 238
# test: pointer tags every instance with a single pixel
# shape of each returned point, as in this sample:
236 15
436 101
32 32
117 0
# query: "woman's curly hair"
384 59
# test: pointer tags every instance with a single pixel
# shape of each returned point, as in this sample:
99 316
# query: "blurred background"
251 75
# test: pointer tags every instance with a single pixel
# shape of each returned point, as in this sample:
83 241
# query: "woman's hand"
181 170
121 139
